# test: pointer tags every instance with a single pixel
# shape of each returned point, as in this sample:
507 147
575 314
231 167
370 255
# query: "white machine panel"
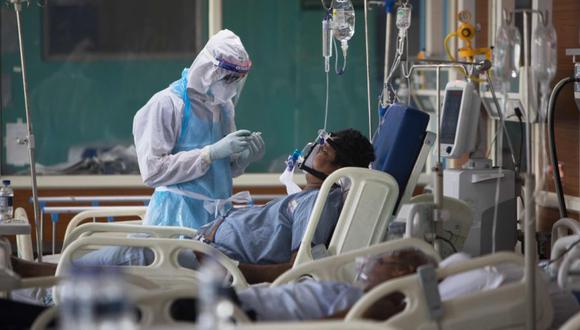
477 188
459 120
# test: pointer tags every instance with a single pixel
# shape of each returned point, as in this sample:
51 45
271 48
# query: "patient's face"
323 162
387 268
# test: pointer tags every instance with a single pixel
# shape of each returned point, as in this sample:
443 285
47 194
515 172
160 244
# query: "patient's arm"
381 310
32 269
265 273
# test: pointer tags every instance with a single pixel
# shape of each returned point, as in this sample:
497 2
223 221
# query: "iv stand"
29 141
529 216
438 169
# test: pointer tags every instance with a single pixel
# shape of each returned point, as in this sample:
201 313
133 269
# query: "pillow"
469 282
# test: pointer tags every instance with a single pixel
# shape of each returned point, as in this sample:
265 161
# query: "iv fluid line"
341 71
501 119
368 69
326 103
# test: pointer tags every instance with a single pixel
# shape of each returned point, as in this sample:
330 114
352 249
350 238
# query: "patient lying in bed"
310 300
265 239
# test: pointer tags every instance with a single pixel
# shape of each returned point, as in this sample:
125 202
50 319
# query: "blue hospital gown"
258 235
270 233
305 300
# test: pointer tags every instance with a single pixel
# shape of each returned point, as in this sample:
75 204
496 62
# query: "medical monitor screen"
450 116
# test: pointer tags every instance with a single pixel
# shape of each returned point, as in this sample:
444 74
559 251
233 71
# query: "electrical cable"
552 144
519 115
448 242
563 253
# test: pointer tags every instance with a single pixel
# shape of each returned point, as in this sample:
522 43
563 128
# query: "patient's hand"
263 273
32 269
386 307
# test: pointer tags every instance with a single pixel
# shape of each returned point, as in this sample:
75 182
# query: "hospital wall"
92 101
566 13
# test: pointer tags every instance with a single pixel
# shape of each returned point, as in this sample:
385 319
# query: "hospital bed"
500 308
165 269
565 253
24 242
402 146
154 309
154 306
362 222
572 324
341 267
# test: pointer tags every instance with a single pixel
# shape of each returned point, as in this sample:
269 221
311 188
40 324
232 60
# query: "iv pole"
29 140
438 169
529 216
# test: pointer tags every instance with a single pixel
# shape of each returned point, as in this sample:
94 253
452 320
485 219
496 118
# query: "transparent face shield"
232 79
240 83
228 88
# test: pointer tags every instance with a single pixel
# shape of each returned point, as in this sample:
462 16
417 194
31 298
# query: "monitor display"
450 116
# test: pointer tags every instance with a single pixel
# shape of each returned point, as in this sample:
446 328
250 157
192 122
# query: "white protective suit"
174 130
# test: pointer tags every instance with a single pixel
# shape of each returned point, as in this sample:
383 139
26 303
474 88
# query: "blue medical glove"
232 143
254 152
257 148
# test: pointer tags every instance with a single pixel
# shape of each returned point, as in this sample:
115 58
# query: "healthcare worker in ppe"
186 139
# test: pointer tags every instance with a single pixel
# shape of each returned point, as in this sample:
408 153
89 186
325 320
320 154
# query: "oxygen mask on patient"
287 177
306 162
303 160
373 270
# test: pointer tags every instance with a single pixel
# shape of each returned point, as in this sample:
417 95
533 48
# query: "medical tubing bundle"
403 22
501 119
501 128
552 144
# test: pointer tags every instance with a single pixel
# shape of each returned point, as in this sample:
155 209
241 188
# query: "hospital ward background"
435 143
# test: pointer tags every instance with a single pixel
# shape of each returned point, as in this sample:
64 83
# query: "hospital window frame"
199 21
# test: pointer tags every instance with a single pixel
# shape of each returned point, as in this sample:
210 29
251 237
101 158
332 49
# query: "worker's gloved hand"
232 143
253 153
257 148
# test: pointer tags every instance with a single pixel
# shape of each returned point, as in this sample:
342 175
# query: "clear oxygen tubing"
368 69
326 101
499 136
30 138
552 143
501 119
